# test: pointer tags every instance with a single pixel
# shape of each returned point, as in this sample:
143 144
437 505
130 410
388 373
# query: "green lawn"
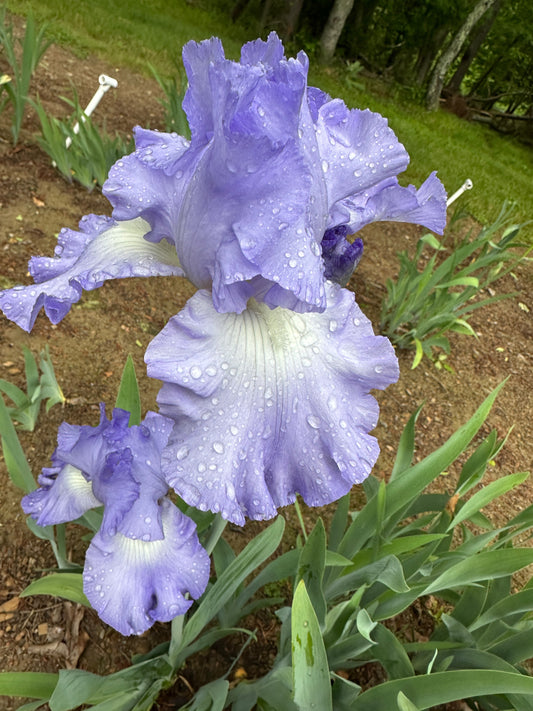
153 31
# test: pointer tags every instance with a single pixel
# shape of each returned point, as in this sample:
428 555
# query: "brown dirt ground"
90 346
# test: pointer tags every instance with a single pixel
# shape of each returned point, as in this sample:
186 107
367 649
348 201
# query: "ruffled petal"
103 249
357 148
393 203
64 495
269 403
133 583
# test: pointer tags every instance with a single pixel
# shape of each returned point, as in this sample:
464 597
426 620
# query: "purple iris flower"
145 560
242 209
268 369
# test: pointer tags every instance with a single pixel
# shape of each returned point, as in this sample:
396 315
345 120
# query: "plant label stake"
105 84
467 185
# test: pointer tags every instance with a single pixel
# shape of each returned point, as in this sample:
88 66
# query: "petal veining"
64 495
269 403
102 249
133 583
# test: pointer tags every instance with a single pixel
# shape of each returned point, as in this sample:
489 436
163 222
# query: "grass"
153 32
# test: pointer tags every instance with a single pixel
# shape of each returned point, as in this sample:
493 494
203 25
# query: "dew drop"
313 421
196 372
182 452
218 447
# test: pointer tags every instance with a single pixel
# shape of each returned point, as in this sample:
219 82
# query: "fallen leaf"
452 503
37 202
42 629
523 307
10 605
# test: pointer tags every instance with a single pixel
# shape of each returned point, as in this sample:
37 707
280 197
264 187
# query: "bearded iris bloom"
267 371
145 560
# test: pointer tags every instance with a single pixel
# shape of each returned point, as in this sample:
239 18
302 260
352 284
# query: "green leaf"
404 544
483 497
128 397
258 550
65 585
16 463
339 522
387 570
344 692
31 705
462 326
35 685
406 446
432 241
419 354
311 683
404 704
516 604
50 390
484 566
32 372
365 624
311 569
516 648
460 281
389 651
443 687
404 490
210 697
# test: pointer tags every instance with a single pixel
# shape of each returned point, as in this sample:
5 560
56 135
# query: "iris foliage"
435 295
92 151
39 387
33 46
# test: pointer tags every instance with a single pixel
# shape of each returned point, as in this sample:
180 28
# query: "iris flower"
267 370
145 560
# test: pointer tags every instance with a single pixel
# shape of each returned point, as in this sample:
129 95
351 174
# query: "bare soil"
90 346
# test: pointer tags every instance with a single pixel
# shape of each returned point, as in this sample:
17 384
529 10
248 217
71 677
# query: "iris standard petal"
269 403
133 583
102 249
357 148
64 495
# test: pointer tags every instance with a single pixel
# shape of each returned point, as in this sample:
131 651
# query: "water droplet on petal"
182 452
313 421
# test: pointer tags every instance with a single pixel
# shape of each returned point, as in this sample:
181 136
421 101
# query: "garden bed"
90 346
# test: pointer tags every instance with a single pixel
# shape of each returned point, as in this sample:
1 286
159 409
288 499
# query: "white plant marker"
467 185
105 84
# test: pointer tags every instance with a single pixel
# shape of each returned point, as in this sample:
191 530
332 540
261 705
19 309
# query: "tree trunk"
427 55
291 17
473 48
333 28
447 57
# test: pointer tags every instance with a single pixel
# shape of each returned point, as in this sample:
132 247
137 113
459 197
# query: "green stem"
178 623
217 529
300 518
